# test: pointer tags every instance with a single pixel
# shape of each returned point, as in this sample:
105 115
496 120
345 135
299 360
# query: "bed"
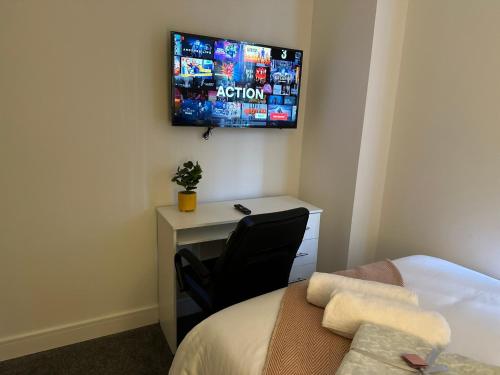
235 340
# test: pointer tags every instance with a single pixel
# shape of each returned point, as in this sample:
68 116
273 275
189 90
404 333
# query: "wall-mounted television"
219 82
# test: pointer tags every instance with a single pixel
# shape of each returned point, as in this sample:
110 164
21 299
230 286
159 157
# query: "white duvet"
235 340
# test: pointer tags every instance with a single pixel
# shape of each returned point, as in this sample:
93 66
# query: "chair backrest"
258 256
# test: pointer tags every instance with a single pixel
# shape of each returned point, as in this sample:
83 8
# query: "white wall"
342 36
443 179
383 78
87 149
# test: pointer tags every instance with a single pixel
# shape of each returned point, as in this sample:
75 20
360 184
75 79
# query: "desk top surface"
214 213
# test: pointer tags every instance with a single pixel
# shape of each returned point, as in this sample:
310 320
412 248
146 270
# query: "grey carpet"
139 351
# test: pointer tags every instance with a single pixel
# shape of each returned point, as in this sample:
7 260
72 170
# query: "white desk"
214 221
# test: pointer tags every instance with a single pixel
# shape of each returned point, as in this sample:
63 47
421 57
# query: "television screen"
227 83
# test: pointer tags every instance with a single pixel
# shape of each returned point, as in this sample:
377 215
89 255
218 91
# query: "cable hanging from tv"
208 132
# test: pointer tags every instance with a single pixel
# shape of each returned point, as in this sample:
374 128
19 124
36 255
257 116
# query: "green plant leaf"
189 176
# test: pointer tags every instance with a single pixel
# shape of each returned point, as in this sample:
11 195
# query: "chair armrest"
198 267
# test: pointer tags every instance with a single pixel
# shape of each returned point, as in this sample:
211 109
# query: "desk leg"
167 285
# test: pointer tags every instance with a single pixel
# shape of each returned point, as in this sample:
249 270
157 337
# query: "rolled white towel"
347 310
321 286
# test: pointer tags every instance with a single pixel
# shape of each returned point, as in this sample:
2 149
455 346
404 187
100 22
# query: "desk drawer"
307 252
312 227
301 272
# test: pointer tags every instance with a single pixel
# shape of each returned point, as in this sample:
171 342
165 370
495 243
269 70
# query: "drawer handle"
297 280
301 255
307 228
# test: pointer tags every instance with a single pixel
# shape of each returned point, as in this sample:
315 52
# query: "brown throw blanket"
299 344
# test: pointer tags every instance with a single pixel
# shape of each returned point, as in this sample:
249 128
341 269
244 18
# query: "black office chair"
257 259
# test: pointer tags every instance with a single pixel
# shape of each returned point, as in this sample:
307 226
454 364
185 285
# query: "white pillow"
347 310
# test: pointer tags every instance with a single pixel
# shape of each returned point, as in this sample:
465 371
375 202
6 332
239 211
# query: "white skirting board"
37 341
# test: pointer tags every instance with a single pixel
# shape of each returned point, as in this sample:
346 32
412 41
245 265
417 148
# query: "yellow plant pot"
187 201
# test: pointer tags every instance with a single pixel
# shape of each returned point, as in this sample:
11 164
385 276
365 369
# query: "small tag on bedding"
415 361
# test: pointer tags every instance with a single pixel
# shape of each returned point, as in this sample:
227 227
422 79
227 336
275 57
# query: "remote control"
242 209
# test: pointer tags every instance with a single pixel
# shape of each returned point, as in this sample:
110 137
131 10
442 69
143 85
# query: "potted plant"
188 177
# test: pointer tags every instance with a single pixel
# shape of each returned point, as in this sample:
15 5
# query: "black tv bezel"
269 124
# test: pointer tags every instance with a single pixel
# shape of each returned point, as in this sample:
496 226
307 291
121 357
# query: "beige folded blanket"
299 344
